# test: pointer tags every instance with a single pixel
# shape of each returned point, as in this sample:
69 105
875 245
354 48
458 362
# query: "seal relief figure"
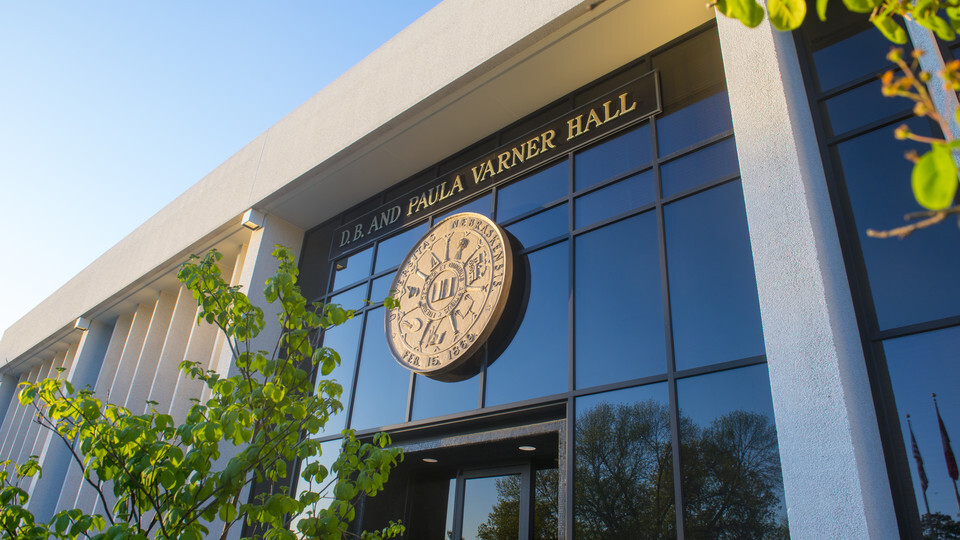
452 288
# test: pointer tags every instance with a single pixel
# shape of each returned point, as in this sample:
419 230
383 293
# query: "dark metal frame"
669 376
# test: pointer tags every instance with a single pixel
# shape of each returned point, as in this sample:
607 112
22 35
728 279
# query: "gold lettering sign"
630 103
452 289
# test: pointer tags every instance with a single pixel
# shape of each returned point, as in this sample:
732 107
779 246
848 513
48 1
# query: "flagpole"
948 452
920 470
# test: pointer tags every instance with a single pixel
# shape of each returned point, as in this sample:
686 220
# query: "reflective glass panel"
381 288
534 364
922 365
546 504
713 293
478 206
329 451
615 199
624 465
485 514
694 123
451 509
345 339
532 192
912 280
353 268
851 58
612 157
315 262
710 163
544 226
862 105
619 303
351 298
436 398
391 251
382 384
732 485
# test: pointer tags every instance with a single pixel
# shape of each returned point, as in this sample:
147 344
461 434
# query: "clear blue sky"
110 109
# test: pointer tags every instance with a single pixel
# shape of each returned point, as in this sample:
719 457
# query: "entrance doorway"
501 485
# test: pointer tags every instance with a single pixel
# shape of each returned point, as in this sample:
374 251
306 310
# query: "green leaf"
786 15
748 12
61 523
861 6
890 29
939 26
822 9
344 491
953 13
934 178
227 513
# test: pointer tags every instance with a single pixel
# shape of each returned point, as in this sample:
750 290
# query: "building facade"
700 340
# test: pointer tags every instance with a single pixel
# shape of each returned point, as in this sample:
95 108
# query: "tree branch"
932 218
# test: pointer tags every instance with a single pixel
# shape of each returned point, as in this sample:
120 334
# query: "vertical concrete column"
149 359
932 62
200 347
11 428
60 368
833 468
26 435
75 492
252 272
119 388
222 354
8 397
256 265
183 321
55 457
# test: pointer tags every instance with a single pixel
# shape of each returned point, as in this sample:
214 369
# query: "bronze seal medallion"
452 288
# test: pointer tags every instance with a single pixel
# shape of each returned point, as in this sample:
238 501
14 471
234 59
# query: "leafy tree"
934 179
938 526
158 479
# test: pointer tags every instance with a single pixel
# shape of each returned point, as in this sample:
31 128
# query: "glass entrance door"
492 504
499 489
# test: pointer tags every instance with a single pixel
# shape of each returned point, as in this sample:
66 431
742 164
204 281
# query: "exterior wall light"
253 219
82 324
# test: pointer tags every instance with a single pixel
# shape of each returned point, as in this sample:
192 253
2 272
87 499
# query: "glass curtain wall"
642 316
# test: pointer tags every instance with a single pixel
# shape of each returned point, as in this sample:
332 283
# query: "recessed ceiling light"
527 448
429 460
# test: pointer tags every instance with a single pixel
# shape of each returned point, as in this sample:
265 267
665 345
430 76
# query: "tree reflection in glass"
503 523
731 478
624 471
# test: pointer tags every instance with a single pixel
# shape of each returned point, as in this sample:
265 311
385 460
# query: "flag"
916 457
947 451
